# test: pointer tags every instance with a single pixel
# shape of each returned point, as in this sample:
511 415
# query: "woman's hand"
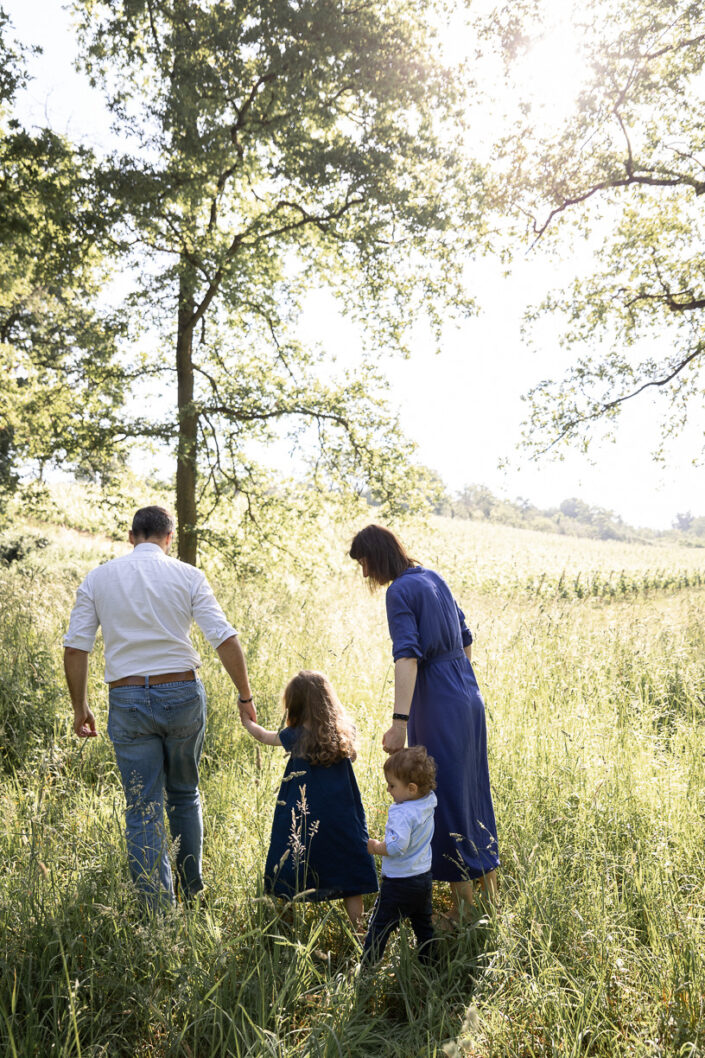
376 848
247 710
405 671
395 737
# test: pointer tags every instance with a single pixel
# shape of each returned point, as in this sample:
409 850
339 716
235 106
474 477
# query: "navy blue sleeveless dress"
319 832
448 718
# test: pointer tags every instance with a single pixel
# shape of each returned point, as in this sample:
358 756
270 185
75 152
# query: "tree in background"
60 386
271 149
688 523
626 171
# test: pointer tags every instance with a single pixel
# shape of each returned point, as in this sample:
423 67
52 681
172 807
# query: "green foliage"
102 510
624 169
278 149
12 75
16 546
688 523
60 386
595 720
31 695
573 517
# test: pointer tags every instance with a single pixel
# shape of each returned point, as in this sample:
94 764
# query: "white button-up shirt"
145 602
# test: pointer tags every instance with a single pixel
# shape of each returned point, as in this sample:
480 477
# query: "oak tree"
271 148
623 173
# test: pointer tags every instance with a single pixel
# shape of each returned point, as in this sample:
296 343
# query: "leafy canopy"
60 387
269 150
624 174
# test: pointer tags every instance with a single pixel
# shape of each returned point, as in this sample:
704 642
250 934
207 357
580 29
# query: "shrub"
16 546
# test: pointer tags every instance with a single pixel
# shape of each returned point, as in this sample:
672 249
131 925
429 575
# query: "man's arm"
76 669
233 661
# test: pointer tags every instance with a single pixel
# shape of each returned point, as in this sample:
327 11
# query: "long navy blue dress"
319 832
447 717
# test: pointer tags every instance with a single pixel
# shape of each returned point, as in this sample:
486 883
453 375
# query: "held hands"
376 848
247 711
84 722
246 720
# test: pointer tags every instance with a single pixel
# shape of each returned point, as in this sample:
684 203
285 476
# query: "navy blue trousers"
401 898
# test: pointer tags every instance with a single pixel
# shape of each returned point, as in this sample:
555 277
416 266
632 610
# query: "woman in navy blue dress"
437 703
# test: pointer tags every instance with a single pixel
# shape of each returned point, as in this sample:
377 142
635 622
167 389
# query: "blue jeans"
401 898
157 733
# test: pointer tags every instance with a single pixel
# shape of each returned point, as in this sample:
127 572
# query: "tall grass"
595 713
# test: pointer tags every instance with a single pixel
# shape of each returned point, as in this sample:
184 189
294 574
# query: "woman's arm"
405 672
269 738
465 633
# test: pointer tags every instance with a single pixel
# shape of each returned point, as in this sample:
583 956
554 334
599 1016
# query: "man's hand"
395 737
376 848
84 722
76 669
247 711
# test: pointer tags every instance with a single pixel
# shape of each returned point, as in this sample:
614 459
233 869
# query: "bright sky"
464 407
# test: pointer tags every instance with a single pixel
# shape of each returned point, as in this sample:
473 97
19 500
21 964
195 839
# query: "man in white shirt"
145 602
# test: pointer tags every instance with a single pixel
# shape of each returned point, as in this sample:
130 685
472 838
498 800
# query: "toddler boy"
406 886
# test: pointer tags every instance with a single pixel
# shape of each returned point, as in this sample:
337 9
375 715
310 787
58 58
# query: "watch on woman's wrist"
400 716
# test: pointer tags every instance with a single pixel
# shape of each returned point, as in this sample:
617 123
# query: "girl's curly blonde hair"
327 733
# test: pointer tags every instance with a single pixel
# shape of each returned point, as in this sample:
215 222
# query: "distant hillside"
573 517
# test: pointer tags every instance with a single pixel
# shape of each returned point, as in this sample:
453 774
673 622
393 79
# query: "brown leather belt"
162 677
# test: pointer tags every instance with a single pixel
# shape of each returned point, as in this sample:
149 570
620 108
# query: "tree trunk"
186 514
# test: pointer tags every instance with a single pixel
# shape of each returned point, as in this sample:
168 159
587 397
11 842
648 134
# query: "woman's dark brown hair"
383 553
327 733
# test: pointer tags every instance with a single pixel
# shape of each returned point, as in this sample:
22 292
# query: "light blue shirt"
408 838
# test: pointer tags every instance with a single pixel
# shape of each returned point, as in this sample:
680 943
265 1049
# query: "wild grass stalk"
596 714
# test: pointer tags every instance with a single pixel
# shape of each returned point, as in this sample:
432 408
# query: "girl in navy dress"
319 837
436 694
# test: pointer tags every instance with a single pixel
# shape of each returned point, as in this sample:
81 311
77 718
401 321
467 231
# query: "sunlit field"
591 657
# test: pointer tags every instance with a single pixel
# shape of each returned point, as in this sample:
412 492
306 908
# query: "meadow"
591 658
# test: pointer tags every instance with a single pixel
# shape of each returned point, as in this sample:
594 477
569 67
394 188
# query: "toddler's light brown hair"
413 765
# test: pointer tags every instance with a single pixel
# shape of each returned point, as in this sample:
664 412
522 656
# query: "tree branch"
689 43
669 297
648 180
612 404
242 239
238 415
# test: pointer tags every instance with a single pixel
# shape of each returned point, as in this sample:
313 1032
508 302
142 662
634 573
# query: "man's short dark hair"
152 521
